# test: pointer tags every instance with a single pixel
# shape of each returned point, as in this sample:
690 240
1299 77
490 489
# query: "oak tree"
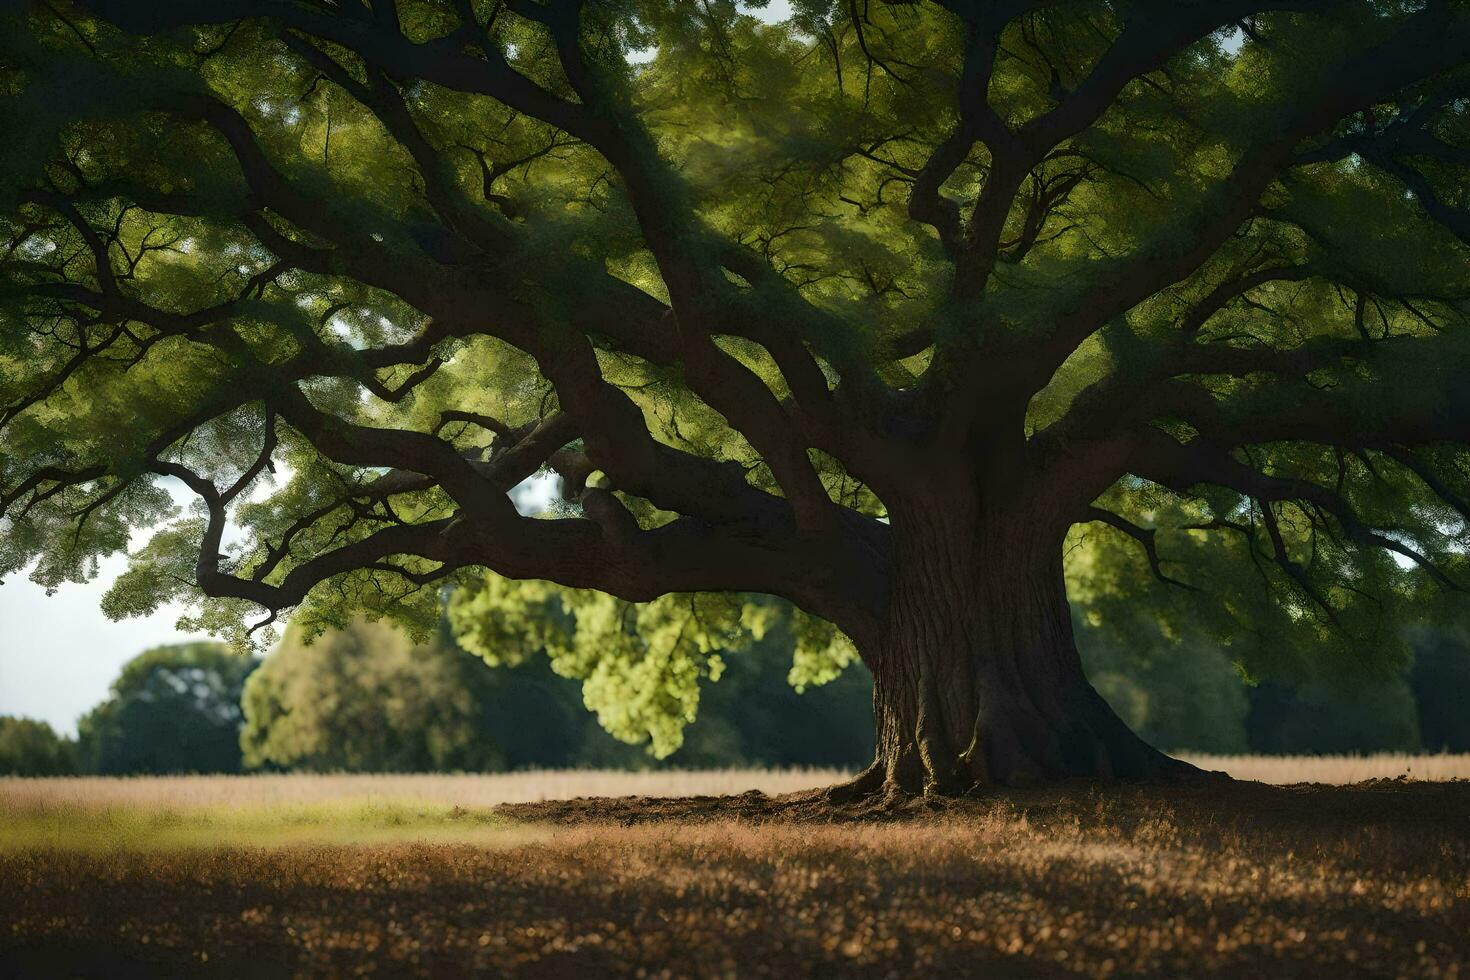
893 310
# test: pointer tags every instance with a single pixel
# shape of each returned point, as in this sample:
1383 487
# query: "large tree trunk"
977 677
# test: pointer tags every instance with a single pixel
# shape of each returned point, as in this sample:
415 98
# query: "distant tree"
32 748
535 719
173 709
870 311
1332 719
366 698
1183 697
1440 680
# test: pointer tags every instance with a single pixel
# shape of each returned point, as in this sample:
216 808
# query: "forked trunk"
977 677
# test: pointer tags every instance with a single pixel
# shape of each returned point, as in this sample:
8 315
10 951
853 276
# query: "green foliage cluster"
641 664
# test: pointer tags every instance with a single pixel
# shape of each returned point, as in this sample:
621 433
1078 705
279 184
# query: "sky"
58 654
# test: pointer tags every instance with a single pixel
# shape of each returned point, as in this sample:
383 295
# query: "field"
442 875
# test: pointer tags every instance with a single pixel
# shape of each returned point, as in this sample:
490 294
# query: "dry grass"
465 790
1337 770
1167 880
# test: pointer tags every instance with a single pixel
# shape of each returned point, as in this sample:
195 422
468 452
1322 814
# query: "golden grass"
465 790
1336 770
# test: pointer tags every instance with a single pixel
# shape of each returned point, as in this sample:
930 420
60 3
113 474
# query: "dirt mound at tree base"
1428 805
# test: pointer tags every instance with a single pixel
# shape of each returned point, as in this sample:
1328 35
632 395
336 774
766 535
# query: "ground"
332 875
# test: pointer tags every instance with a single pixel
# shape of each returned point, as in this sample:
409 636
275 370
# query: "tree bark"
977 679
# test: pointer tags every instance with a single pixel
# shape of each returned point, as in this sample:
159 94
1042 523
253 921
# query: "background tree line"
368 699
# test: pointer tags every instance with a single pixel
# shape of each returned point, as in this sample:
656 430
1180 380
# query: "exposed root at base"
863 786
